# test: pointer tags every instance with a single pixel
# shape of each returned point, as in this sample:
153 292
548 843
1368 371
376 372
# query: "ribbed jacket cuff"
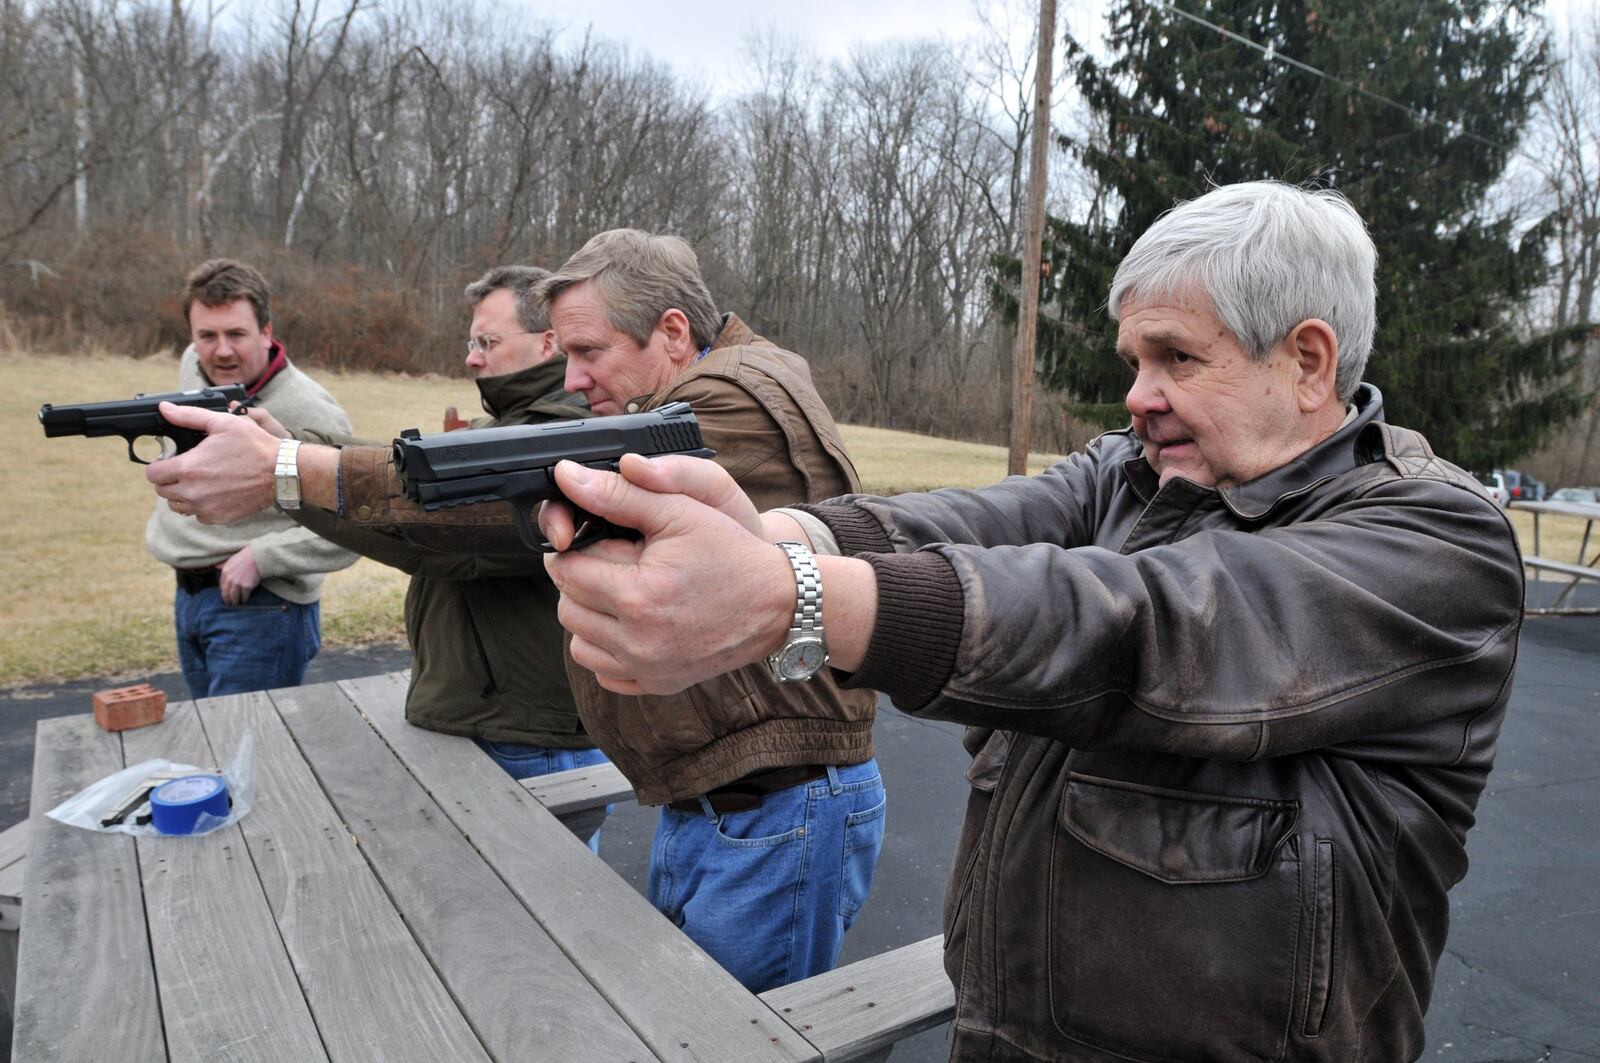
857 531
914 641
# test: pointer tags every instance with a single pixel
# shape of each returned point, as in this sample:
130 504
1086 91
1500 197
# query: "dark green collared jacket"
485 644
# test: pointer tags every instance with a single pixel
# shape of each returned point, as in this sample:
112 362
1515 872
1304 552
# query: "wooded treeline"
373 157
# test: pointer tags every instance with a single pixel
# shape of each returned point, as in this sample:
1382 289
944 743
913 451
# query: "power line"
1273 54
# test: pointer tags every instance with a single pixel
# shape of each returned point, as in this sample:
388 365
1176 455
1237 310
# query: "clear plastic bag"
86 808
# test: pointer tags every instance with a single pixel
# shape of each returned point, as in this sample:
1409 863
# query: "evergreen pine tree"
1183 106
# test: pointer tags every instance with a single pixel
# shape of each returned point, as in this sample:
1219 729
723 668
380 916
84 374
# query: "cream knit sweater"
291 559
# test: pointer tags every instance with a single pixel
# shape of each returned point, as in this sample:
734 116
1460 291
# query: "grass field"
80 597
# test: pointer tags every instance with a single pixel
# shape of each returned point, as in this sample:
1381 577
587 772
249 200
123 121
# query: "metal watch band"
286 475
808 588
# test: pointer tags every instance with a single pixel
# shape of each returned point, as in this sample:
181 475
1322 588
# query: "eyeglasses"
484 344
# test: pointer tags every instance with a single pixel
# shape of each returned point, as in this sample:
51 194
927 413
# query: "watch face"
802 660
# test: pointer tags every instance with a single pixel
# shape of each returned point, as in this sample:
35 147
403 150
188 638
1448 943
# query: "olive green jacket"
486 647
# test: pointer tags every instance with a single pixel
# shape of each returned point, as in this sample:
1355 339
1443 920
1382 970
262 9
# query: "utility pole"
1032 242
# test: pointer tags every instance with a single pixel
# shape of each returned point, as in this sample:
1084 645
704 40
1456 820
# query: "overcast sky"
704 39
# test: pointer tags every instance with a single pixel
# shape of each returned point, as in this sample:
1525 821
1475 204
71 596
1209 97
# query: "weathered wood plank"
13 844
228 990
86 988
566 792
378 1000
856 1012
524 998
11 896
677 998
13 853
578 798
8 976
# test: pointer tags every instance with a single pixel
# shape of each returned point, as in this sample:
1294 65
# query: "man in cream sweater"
247 607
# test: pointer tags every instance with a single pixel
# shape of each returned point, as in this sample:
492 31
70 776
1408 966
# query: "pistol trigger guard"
527 531
168 448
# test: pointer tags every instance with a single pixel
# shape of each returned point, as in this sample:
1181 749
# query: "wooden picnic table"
1583 567
391 895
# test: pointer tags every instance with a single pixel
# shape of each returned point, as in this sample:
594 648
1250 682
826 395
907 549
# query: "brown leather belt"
195 580
744 794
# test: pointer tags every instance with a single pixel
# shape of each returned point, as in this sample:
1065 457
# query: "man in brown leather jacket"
1233 676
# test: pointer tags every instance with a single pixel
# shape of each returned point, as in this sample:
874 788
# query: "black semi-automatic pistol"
138 418
516 463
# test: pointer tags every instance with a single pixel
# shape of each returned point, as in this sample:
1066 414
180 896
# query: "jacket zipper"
1324 915
490 687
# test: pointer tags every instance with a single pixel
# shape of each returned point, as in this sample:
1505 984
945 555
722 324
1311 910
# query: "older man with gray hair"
1233 675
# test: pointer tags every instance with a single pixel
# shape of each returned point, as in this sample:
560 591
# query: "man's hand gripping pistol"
138 418
516 463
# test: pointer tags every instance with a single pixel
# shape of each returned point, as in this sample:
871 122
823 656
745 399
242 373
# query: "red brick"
125 707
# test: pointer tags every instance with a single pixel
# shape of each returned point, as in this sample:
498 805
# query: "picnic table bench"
1576 571
391 895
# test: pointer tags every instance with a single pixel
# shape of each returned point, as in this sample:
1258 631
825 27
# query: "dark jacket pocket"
1173 921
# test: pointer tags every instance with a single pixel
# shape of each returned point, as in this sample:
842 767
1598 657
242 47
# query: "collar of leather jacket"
510 397
734 333
1362 441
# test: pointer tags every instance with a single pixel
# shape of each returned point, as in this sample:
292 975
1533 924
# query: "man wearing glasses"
486 647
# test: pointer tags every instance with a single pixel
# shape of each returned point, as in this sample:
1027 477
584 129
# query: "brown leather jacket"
760 412
1227 744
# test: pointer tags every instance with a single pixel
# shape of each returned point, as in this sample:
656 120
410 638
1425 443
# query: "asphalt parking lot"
1520 978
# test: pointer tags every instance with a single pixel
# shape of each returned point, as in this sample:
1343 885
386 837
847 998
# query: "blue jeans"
262 644
769 893
524 762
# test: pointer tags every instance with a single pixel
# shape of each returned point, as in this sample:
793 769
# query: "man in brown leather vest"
773 814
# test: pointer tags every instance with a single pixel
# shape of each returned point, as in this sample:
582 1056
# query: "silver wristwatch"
805 651
286 475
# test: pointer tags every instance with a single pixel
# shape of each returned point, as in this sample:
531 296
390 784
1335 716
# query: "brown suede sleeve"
370 496
367 484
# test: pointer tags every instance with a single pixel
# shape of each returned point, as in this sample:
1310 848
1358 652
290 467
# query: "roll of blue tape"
176 806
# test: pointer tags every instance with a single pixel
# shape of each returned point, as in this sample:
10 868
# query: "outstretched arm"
703 593
229 476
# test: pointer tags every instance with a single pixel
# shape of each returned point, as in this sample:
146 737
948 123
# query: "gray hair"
639 277
521 281
1269 256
